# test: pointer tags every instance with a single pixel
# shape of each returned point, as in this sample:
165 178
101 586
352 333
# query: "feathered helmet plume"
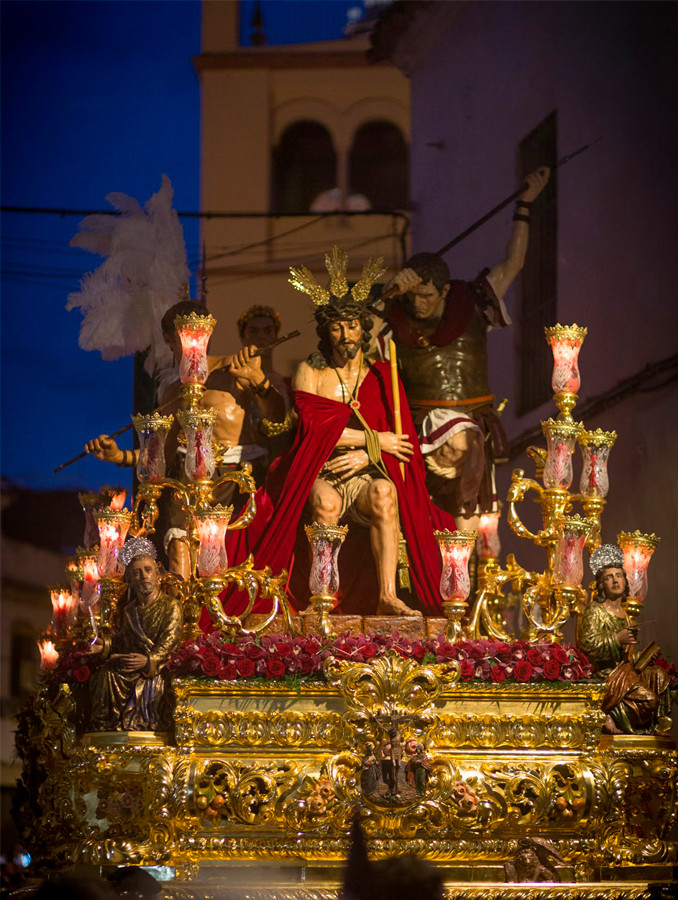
143 275
336 263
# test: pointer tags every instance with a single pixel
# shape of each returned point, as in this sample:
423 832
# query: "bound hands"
398 445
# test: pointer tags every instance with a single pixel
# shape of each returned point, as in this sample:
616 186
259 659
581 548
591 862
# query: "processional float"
454 739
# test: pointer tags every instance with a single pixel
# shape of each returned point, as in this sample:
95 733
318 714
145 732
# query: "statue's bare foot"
610 728
395 607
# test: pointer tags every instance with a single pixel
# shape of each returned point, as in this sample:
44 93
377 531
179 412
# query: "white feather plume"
123 301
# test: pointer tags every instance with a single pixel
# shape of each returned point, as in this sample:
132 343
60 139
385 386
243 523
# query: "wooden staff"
397 419
224 363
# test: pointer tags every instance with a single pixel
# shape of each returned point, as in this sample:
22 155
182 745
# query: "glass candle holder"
152 430
194 333
560 441
568 561
113 526
112 497
212 525
637 549
455 550
595 450
488 544
197 426
325 541
48 654
63 605
565 342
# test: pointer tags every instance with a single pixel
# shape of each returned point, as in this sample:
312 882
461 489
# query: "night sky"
97 96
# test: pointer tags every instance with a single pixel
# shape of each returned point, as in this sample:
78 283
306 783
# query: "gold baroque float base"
261 783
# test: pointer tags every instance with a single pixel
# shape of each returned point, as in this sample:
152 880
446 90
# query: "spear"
224 363
392 291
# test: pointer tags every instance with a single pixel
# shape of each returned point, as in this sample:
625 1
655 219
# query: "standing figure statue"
638 699
440 331
418 770
259 326
345 462
130 690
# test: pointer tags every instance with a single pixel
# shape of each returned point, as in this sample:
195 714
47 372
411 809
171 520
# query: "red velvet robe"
272 537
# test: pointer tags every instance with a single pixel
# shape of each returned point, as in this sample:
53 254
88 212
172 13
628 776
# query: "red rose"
304 666
283 649
275 668
228 672
254 652
418 651
559 654
466 670
211 666
551 669
497 673
523 670
311 646
230 649
534 657
245 667
81 674
368 651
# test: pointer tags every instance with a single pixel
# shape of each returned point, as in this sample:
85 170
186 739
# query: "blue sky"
97 96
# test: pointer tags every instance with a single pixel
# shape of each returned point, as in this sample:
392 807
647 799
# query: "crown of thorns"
136 547
336 263
606 555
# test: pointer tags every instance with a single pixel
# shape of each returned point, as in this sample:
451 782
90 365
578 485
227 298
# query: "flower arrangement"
281 656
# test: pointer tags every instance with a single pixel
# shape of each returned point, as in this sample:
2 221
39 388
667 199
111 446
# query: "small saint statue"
637 699
130 689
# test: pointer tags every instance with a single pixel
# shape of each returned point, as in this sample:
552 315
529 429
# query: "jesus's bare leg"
378 501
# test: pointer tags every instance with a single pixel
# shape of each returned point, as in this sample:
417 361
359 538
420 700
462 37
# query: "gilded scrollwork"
261 772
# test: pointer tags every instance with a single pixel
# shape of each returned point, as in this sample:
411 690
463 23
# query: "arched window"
378 165
304 165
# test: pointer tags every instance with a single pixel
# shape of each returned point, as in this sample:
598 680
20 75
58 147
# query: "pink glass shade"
212 526
595 450
117 500
568 561
194 333
488 543
638 550
565 342
152 431
200 462
455 550
325 541
63 606
113 527
89 594
560 440
594 480
48 654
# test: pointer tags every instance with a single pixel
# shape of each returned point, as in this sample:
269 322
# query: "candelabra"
550 597
95 574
